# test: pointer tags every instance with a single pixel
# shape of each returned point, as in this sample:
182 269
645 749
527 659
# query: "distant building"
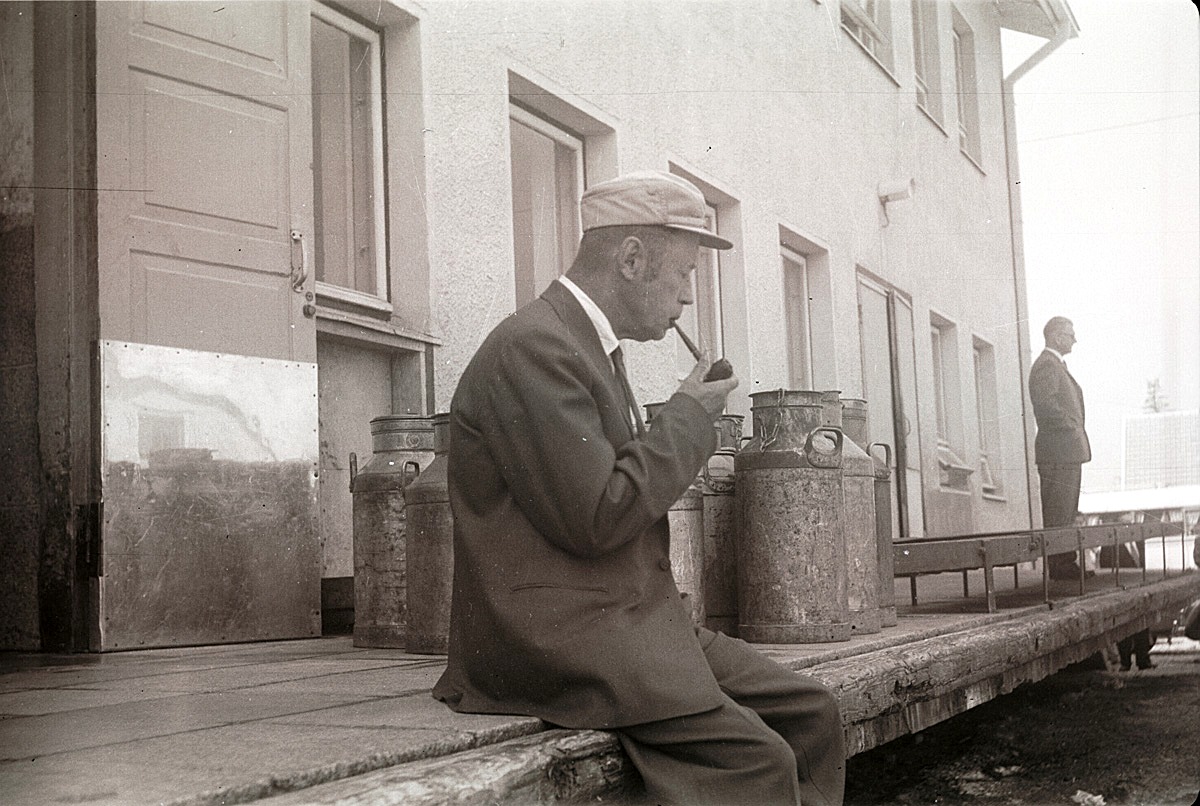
258 225
1161 449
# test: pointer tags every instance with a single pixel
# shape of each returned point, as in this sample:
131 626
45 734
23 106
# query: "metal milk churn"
883 532
719 568
792 550
686 525
862 543
430 541
402 446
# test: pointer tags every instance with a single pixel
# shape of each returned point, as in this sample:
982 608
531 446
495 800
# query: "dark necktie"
618 360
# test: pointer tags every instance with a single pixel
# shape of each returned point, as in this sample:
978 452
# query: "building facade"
242 230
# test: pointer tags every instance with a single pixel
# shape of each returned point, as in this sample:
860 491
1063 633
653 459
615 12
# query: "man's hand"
712 394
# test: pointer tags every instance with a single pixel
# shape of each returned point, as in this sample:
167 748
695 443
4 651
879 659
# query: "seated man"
564 604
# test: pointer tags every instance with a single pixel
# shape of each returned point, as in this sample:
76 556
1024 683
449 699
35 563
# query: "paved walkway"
237 723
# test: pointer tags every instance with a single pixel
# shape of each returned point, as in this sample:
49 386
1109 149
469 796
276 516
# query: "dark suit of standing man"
564 604
1061 446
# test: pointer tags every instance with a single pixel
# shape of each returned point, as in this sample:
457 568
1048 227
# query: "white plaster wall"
775 105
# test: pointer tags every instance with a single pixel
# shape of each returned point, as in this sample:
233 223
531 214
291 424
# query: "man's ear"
632 258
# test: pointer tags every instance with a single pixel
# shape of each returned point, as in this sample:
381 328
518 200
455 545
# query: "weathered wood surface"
907 688
884 694
554 766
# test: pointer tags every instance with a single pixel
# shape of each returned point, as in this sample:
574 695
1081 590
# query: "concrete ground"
228 724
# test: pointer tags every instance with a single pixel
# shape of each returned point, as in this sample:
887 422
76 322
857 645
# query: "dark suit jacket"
564 605
1058 408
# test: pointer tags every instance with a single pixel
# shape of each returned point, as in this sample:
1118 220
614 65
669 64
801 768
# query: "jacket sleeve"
543 427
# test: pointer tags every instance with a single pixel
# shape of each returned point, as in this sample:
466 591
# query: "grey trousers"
1060 504
777 738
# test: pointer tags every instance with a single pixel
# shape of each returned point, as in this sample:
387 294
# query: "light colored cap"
649 198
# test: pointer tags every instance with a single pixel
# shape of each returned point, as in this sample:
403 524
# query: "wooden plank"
884 694
905 689
548 767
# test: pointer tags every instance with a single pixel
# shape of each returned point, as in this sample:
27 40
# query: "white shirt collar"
608 337
1057 354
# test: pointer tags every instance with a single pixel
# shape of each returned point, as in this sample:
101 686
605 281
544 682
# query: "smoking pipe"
720 369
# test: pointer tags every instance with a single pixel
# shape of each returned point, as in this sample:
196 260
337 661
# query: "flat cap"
649 198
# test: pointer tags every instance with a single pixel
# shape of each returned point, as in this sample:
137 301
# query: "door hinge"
87 527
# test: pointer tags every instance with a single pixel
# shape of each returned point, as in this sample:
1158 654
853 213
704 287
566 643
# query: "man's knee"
776 753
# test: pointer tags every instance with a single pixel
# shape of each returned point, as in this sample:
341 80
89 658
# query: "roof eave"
1043 18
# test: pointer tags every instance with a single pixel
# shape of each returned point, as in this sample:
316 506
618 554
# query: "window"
939 384
967 89
799 320
926 60
869 22
704 320
350 256
547 181
952 471
986 414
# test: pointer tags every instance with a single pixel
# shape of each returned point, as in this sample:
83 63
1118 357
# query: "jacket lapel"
584 334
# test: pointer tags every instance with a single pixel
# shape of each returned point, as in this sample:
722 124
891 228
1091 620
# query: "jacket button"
664 564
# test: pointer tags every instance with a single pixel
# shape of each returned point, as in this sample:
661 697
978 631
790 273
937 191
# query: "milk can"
719 574
686 521
792 551
862 543
883 532
402 446
430 539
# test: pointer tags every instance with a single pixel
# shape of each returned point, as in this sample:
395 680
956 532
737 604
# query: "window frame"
868 23
953 472
381 299
966 90
986 413
704 319
569 224
798 317
927 62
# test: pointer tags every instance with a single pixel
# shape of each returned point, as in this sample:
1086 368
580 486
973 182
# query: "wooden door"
204 142
208 341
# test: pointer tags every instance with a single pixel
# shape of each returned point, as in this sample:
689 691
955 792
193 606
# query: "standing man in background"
1062 445
564 604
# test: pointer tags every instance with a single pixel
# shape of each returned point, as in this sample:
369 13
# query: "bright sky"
1110 165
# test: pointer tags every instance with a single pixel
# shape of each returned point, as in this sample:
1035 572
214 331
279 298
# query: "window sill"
887 71
998 497
929 116
973 161
326 291
388 333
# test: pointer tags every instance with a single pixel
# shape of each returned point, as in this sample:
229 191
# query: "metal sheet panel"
209 474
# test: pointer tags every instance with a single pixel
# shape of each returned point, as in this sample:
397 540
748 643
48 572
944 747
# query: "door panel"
210 491
209 399
889 386
205 143
905 404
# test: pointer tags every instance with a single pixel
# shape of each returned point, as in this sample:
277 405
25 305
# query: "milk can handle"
416 471
887 452
353 469
820 459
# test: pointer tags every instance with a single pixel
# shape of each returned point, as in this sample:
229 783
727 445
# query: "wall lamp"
894 191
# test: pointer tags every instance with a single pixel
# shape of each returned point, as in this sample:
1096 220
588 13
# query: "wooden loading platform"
320 721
